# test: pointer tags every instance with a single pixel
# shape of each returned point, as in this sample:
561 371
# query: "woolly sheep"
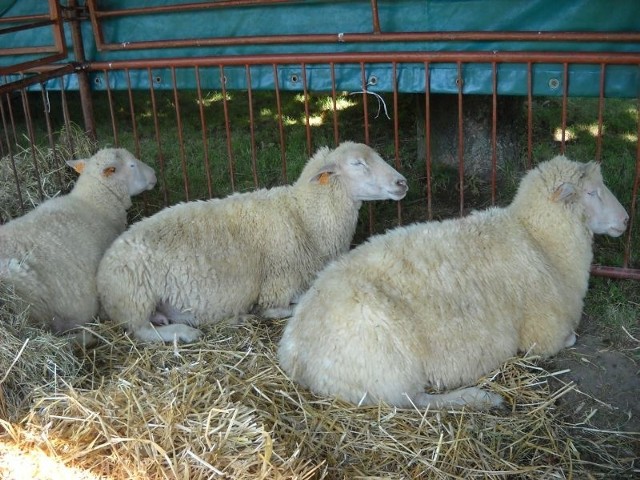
205 261
50 256
436 305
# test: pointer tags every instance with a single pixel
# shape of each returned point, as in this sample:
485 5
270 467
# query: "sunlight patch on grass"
630 137
316 120
213 97
593 130
342 103
569 135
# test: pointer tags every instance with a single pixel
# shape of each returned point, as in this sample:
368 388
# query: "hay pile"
221 408
32 171
32 362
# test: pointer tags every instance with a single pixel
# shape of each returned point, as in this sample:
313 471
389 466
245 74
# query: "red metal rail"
57 51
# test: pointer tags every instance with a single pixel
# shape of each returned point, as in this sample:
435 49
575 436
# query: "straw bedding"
221 408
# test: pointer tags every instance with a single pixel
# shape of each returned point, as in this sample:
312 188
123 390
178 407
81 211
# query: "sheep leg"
277 312
166 313
167 333
472 397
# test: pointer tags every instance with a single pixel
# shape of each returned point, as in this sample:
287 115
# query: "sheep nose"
401 183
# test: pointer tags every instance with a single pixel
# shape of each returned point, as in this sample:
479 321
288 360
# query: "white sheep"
50 256
256 252
436 305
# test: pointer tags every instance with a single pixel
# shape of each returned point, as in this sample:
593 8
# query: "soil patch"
607 379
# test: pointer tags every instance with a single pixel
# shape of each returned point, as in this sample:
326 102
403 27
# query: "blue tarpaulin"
355 17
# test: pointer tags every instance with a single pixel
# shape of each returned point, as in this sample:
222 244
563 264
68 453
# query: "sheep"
434 306
201 262
49 256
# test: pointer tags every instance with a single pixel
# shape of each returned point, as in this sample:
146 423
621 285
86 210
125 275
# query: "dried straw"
32 362
39 169
222 408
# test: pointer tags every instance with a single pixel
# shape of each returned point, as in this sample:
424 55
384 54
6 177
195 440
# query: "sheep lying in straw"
50 255
201 262
437 305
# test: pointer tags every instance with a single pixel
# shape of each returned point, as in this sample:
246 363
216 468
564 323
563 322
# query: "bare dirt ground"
607 378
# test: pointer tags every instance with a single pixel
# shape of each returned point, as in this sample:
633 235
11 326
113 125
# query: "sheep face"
604 213
120 166
366 174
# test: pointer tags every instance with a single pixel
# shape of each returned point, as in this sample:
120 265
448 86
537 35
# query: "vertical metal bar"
375 16
252 133
12 119
565 95
283 149
336 133
529 116
46 109
227 126
365 109
365 103
32 141
134 123
183 160
12 159
112 111
634 192
67 119
427 136
600 113
156 125
459 81
205 137
84 85
307 123
494 130
396 134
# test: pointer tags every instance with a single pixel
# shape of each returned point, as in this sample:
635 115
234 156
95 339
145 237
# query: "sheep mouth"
398 193
616 232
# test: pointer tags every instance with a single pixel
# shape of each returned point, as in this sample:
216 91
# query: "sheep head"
603 212
366 175
117 166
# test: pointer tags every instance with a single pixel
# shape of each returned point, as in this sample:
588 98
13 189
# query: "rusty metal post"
84 85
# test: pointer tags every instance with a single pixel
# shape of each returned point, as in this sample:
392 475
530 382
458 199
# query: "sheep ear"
589 169
108 171
563 192
77 165
324 174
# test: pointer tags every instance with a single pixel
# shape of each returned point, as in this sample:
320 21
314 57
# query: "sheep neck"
330 216
561 234
107 199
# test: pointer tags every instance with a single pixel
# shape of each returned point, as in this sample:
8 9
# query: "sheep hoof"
167 333
570 340
472 397
483 399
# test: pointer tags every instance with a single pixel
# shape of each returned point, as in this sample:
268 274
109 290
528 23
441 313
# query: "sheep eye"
358 162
